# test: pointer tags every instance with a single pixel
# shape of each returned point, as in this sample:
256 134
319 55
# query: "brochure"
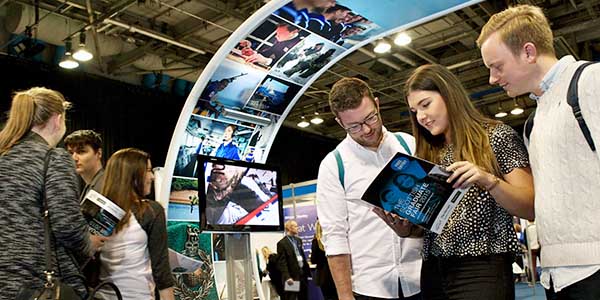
101 214
416 190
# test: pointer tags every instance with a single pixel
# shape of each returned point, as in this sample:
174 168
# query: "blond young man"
517 47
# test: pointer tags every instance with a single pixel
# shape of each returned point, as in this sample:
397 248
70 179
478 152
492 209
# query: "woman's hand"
402 227
97 242
464 174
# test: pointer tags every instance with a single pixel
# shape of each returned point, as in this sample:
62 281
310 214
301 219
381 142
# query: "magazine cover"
101 214
416 190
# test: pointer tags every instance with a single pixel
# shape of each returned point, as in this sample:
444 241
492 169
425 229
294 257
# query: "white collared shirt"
379 258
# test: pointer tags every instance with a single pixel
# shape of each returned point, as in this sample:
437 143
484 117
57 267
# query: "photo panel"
210 137
230 86
267 44
183 200
336 21
273 95
307 58
375 19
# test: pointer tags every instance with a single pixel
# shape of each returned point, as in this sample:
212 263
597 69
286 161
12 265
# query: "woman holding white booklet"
471 258
136 255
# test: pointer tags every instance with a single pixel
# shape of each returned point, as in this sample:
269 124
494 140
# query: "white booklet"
101 214
294 287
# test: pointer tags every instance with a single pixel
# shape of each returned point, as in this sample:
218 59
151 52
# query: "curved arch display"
255 78
251 84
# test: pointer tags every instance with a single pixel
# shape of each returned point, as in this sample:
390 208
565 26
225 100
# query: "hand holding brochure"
416 190
102 214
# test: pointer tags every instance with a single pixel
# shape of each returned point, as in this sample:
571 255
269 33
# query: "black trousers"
468 278
586 289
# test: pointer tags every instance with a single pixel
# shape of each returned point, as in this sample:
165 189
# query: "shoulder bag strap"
49 272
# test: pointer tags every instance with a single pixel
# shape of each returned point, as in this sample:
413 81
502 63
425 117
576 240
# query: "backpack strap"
528 127
573 100
402 142
340 163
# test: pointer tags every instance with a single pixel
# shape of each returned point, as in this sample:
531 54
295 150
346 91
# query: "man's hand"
402 227
289 281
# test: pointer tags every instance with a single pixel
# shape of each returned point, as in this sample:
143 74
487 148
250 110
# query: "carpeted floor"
525 292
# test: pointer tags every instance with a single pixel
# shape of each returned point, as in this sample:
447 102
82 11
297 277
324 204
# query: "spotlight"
303 123
82 54
382 47
402 39
68 62
316 119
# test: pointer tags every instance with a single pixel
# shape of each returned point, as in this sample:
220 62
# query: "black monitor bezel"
204 226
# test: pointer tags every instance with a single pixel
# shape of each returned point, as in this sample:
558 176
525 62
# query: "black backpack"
573 101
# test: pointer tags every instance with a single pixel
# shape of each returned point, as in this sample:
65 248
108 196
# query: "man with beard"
370 253
231 195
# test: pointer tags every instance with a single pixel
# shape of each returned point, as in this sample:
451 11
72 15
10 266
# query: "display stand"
239 266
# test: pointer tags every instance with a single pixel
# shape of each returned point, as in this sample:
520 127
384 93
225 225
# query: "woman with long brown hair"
472 257
35 125
136 256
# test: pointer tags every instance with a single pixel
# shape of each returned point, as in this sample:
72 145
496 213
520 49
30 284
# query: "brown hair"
518 25
348 93
469 137
30 108
124 182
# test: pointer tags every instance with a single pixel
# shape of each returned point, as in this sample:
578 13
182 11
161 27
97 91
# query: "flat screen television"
238 196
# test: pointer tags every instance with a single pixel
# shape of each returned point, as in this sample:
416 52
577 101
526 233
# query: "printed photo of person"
230 86
306 59
273 95
206 136
300 11
268 43
335 21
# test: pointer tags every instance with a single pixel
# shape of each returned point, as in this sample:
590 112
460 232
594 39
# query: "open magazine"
416 190
101 214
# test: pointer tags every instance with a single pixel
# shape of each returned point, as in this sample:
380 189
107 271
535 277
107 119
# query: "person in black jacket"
292 263
318 257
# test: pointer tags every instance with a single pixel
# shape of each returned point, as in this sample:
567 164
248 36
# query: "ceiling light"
382 47
82 54
68 62
303 123
517 110
402 39
501 113
316 119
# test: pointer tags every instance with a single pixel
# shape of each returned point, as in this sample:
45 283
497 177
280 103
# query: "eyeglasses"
370 120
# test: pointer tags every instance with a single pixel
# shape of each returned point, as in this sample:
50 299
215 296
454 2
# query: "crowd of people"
370 254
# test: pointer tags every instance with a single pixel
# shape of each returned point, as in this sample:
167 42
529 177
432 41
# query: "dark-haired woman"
136 256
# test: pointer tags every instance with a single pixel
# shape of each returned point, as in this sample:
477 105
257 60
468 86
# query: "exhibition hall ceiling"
178 37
